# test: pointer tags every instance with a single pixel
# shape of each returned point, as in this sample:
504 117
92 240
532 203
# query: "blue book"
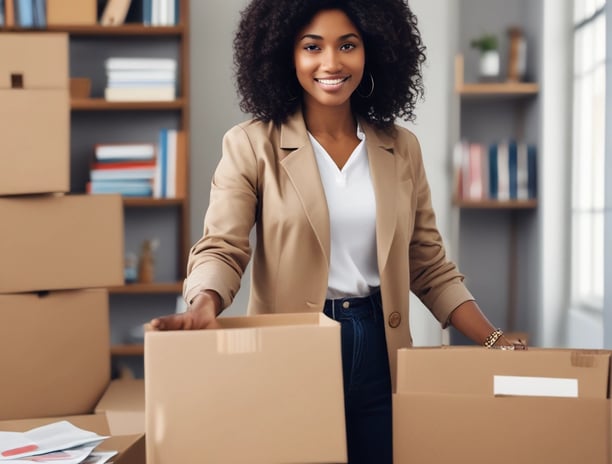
146 12
24 12
163 155
2 20
513 170
532 171
40 13
493 175
177 12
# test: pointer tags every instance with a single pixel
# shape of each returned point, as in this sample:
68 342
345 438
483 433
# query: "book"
126 188
493 172
24 13
512 170
115 12
127 151
165 93
475 181
121 63
9 13
127 173
503 172
181 165
532 171
39 10
522 190
2 16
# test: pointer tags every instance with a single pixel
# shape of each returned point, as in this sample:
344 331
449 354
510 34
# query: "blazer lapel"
382 171
298 159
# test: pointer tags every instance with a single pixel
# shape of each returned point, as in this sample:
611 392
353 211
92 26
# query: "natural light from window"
588 154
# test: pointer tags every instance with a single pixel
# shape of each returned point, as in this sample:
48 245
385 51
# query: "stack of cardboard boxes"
58 252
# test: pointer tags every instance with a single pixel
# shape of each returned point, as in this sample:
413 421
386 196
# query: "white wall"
554 193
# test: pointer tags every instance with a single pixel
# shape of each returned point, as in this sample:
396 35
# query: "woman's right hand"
201 314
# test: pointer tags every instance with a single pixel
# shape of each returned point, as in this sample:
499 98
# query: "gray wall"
608 204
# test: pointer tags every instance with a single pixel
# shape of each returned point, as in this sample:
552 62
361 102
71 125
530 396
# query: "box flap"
470 370
55 347
34 61
124 405
274 320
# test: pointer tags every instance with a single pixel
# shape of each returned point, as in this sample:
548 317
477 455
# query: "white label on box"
511 385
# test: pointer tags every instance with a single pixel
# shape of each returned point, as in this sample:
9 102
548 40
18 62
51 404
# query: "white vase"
489 64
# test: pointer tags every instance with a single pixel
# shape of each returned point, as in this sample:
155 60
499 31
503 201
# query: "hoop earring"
371 88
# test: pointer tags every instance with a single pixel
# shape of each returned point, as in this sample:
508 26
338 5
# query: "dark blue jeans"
367 381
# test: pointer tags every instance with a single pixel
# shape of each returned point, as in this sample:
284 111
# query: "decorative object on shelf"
487 45
115 12
146 263
517 58
80 87
130 269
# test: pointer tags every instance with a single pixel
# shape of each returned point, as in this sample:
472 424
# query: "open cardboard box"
445 410
260 389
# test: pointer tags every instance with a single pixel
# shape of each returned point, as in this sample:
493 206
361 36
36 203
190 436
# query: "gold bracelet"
492 338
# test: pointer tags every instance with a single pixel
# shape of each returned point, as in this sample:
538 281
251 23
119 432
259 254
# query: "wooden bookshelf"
130 349
100 104
152 288
138 202
495 204
98 30
508 89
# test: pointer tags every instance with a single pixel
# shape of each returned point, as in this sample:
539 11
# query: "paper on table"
69 456
57 436
510 385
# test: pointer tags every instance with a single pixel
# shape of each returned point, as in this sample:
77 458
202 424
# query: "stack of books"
127 169
140 79
498 171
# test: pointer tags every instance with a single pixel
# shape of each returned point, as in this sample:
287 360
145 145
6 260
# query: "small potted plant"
487 45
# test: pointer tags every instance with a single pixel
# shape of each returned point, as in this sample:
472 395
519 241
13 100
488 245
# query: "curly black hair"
263 57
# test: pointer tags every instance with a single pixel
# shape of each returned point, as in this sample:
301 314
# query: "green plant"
485 43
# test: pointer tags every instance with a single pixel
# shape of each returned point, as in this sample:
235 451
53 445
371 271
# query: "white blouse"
351 202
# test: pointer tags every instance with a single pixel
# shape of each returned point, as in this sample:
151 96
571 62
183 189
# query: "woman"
337 193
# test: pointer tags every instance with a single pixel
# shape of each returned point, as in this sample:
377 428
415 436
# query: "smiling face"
329 58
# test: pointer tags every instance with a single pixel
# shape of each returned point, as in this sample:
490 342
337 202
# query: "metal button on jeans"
346 305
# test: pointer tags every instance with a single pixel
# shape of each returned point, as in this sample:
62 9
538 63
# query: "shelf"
508 89
98 30
496 204
154 288
135 202
100 104
498 89
132 349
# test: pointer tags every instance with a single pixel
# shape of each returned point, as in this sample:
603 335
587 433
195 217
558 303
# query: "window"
587 211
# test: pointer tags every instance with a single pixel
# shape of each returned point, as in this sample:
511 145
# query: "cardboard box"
131 448
123 403
71 12
34 113
261 389
55 353
445 411
55 242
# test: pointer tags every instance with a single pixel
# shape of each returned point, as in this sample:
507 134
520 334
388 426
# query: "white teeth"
330 81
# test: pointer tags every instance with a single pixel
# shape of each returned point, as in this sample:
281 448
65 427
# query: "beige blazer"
268 178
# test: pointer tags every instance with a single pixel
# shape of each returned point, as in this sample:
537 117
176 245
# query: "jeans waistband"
352 306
